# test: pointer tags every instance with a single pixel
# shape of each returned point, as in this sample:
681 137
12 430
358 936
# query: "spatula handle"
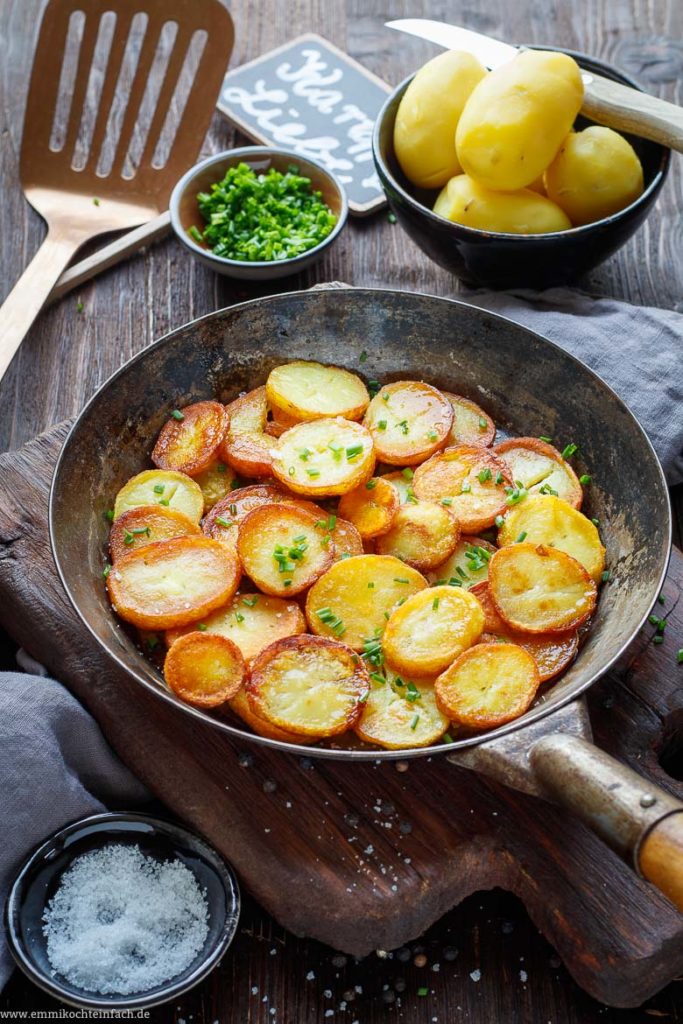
628 110
28 296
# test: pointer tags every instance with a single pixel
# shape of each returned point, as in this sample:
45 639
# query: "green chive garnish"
178 415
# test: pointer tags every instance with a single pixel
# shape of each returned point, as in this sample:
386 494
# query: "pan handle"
642 822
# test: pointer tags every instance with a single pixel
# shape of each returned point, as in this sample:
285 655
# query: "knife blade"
491 52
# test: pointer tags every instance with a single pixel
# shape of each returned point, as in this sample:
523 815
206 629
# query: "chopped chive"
432 436
484 475
466 487
159 488
658 640
454 583
661 599
547 489
382 425
164 501
400 579
653 620
571 449
595 522
106 570
95 201
585 479
225 523
435 604
404 426
499 477
446 501
385 396
412 692
363 356
499 520
401 601
363 699
521 537
291 471
353 451
239 617
305 454
483 424
202 627
178 415
221 467
605 576
373 387
196 234
410 496
109 514
391 217
79 307
371 484
679 656
371 585
313 472
548 440
461 572
286 583
139 530
377 677
413 726
407 473
250 602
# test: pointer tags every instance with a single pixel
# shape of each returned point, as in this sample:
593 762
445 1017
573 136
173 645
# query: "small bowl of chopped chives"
121 911
258 212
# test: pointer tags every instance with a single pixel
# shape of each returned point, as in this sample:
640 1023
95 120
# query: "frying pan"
530 387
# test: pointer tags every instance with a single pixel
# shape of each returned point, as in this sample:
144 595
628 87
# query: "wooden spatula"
120 99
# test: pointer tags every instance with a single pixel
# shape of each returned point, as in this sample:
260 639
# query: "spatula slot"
94 90
161 70
67 80
185 83
123 92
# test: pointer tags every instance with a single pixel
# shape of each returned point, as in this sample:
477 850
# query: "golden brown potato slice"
305 391
145 525
204 669
224 518
371 507
161 487
539 467
431 629
323 458
492 620
409 421
402 482
252 621
471 425
422 535
241 707
539 589
487 686
281 549
246 446
189 440
544 519
216 482
469 481
173 582
308 685
355 597
401 713
467 566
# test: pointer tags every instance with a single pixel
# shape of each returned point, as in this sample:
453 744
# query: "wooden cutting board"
366 857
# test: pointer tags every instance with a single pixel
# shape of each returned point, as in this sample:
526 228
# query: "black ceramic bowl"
39 877
500 260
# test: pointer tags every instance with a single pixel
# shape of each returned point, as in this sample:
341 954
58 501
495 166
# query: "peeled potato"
173 582
308 685
310 391
242 708
251 621
188 442
469 481
246 446
539 467
409 421
422 535
216 482
467 566
596 173
371 507
354 598
523 212
145 525
471 425
538 589
204 669
281 550
223 520
544 519
161 487
325 457
431 629
401 713
487 686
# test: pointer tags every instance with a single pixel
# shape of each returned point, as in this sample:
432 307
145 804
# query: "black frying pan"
527 384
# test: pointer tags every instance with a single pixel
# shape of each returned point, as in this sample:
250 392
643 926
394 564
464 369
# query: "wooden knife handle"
660 858
628 110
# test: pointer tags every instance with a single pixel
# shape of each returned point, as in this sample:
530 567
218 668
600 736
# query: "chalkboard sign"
311 97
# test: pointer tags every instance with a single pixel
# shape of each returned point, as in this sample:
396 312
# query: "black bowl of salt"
121 911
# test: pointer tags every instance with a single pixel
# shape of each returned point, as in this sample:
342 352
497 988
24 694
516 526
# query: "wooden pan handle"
628 110
660 857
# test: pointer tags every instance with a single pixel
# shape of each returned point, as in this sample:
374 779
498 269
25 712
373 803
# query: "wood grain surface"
68 354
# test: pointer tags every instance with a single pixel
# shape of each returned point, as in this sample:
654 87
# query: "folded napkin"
637 350
55 767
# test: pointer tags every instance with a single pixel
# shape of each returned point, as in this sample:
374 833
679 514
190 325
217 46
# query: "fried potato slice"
409 421
354 597
204 669
539 467
402 482
306 391
241 707
488 685
467 566
431 629
145 525
323 458
216 482
544 519
422 535
281 549
173 582
471 425
252 621
246 446
188 442
224 518
492 620
162 487
401 713
347 540
309 685
470 480
371 507
539 589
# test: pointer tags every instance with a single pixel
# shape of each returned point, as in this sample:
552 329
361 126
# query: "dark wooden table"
485 961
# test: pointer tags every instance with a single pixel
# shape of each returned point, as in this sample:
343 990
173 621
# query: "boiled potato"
426 633
242 708
467 566
488 685
544 519
471 425
189 440
204 669
469 481
595 174
371 508
537 589
246 446
522 212
216 481
423 535
517 117
308 685
223 520
409 421
162 487
400 713
145 525
540 468
428 114
310 391
325 457
281 550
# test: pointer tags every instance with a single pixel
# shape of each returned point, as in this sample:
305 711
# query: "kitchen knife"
607 102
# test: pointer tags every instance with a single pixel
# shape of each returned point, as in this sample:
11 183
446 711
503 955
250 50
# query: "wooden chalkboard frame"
247 128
